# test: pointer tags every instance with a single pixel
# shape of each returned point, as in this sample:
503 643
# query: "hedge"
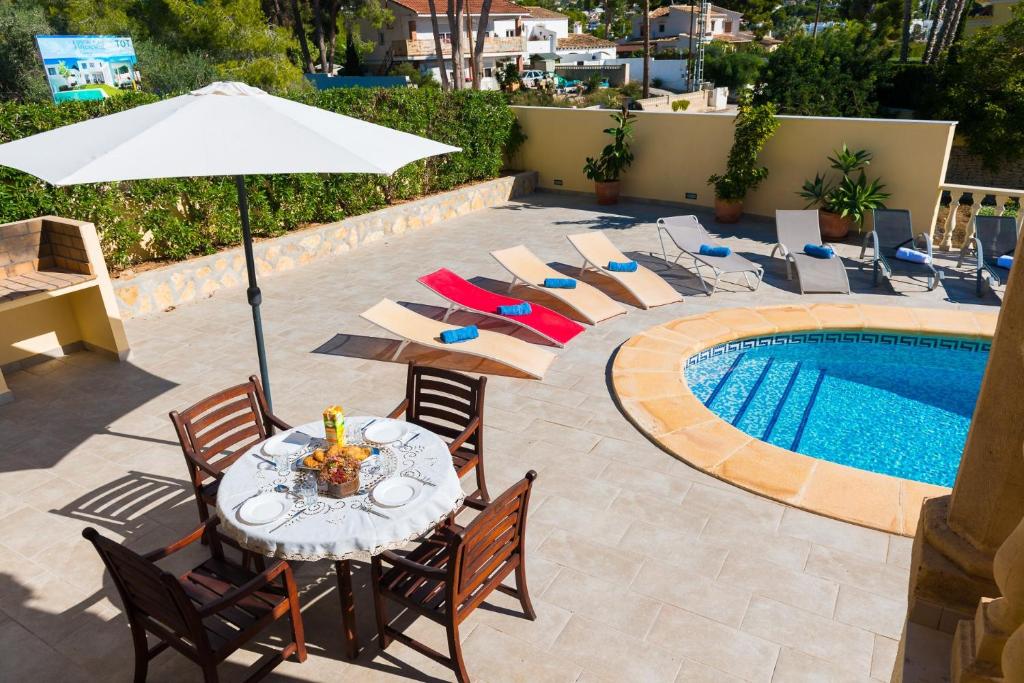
178 218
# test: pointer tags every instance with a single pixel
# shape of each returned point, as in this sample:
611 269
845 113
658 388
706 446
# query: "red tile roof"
497 7
575 41
543 13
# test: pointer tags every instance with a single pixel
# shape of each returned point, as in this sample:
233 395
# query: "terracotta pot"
607 192
728 210
833 226
347 488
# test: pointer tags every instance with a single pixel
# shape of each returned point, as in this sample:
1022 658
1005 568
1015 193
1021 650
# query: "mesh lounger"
461 293
893 229
590 302
795 229
994 236
413 327
645 285
688 234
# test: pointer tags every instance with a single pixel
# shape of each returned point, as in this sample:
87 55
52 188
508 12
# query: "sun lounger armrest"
979 253
399 409
928 245
871 237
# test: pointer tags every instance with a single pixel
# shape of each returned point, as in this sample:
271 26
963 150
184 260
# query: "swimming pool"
891 403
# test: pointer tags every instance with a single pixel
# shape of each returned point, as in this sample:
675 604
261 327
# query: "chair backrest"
220 428
997 235
797 228
445 402
893 228
152 598
686 232
596 248
489 542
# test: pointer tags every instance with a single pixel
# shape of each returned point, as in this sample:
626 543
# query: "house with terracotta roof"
551 34
676 26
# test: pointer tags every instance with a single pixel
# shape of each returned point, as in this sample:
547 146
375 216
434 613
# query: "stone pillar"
957 536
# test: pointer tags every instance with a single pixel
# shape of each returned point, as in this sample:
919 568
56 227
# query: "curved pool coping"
648 381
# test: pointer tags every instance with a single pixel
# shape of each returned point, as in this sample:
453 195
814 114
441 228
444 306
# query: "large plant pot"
728 210
833 226
607 191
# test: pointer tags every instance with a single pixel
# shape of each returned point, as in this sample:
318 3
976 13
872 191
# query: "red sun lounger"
464 294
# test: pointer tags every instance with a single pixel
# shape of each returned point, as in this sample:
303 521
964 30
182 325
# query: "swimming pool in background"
891 403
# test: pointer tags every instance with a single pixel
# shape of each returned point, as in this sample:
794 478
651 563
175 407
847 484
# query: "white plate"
264 508
290 444
394 492
384 431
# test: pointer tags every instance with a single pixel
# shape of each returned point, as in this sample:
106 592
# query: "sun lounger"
644 284
994 236
461 293
688 234
413 327
893 229
592 304
796 229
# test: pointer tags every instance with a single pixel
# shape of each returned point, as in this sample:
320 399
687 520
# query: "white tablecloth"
347 528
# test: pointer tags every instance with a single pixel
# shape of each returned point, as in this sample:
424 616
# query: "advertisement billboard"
88 67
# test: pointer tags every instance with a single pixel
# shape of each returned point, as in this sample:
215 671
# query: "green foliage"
168 72
190 216
416 77
508 76
983 88
733 69
835 74
680 105
616 156
912 85
21 71
755 124
847 196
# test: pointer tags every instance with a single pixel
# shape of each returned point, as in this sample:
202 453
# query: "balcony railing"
957 229
425 48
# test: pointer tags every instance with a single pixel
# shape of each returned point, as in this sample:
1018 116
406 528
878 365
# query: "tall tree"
647 48
455 8
318 34
438 51
481 35
300 36
905 38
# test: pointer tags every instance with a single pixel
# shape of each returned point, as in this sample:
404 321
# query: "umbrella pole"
253 292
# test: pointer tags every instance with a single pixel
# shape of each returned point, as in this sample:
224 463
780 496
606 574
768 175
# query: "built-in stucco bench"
55 294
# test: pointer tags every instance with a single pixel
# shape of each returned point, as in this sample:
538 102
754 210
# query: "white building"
672 27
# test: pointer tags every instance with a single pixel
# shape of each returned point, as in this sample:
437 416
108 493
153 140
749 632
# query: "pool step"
807 410
722 382
782 402
753 391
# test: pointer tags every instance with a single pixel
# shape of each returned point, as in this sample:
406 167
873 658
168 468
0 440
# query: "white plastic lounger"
688 234
413 327
592 304
644 284
796 229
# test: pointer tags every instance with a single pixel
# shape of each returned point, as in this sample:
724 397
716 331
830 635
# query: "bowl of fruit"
337 468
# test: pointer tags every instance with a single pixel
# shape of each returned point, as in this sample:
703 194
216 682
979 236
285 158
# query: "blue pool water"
889 403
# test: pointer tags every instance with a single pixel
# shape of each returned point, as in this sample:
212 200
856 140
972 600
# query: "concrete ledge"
649 384
178 283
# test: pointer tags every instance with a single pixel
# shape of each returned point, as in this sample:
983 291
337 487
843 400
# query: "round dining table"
355 527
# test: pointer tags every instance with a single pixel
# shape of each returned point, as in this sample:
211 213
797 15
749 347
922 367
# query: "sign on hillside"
88 67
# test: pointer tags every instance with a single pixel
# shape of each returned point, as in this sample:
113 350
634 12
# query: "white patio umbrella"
224 129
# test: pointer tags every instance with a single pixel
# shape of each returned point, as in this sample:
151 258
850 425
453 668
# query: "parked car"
532 79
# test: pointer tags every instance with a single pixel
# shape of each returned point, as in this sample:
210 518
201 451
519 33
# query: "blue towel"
522 308
559 283
460 334
911 255
711 250
1005 261
622 266
818 251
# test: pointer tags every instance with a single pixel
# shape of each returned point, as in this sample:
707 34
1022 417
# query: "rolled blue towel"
1005 261
911 255
522 308
712 250
559 283
460 334
818 251
622 266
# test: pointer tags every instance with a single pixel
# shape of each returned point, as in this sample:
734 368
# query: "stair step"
768 399
753 391
737 390
721 383
783 431
782 402
807 410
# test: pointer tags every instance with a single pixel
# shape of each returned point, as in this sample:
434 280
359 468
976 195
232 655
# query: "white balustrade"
942 235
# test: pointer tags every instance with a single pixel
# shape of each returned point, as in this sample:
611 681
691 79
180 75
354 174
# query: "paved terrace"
641 568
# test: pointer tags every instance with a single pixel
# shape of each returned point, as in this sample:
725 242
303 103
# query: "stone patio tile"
581 520
790 318
642 385
643 508
680 546
900 548
837 316
746 321
752 511
658 416
617 656
491 655
884 658
565 483
849 493
645 482
562 436
602 601
844 568
890 318
871 612
773 581
798 667
596 559
694 672
707 444
768 469
912 496
637 454
671 583
870 544
714 644
26 657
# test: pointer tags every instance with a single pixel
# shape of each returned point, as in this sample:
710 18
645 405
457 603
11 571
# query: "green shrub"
181 217
680 105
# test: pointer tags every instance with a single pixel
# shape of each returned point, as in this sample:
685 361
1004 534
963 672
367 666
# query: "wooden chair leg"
455 651
141 653
295 616
210 673
204 515
523 591
376 571
481 482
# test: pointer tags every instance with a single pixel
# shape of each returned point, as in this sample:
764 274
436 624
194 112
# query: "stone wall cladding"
965 168
178 283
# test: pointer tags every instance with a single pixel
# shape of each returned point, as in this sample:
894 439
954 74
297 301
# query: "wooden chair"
217 430
206 613
451 405
447 576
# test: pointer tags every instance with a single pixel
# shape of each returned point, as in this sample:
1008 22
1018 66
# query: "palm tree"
905 42
647 49
438 51
481 35
454 27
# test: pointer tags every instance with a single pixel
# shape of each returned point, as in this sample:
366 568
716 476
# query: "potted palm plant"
614 159
844 202
755 124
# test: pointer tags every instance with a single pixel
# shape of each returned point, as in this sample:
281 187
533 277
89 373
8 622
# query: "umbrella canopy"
224 129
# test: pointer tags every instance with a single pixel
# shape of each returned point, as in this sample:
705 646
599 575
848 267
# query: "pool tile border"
647 378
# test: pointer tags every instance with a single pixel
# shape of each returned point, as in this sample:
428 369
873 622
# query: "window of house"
727 27
488 71
510 33
661 28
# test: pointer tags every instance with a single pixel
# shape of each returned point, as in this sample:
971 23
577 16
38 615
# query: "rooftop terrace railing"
957 228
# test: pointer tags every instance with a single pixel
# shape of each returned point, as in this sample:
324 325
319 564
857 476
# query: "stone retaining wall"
178 283
965 168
